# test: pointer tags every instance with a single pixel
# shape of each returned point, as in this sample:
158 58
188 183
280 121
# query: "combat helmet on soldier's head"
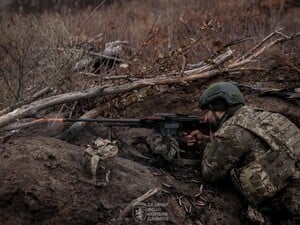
220 96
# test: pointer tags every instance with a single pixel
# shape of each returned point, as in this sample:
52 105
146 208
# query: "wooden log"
28 100
33 122
31 110
215 63
78 126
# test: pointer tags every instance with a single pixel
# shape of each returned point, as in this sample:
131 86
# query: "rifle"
166 124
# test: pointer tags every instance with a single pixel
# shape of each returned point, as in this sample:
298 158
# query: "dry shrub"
32 55
36 51
163 26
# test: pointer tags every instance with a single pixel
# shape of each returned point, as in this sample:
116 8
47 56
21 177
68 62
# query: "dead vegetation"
217 66
40 51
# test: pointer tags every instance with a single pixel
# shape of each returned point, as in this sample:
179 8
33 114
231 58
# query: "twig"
89 74
149 36
247 68
262 50
101 55
91 14
116 77
259 45
140 199
183 65
237 41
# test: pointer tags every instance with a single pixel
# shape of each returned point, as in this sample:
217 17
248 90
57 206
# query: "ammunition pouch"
99 159
264 177
269 172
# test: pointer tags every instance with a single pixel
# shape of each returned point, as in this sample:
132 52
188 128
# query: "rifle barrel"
110 122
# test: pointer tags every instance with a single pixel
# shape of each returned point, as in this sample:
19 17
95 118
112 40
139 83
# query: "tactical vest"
268 173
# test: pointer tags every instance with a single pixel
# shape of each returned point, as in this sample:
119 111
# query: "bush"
38 50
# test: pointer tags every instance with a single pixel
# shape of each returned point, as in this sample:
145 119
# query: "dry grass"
35 50
30 55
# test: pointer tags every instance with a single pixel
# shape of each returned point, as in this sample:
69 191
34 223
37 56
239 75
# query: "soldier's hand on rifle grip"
195 137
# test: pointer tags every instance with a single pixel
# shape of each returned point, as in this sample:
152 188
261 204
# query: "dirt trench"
43 180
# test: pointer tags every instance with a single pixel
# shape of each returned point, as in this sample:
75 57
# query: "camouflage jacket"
253 140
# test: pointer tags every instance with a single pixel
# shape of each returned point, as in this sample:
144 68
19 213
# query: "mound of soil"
43 182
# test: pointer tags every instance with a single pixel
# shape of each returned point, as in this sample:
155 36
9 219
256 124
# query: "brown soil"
43 182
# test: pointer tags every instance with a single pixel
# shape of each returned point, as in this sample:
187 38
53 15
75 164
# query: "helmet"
220 96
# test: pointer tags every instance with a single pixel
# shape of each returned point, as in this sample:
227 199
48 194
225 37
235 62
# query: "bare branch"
259 45
262 50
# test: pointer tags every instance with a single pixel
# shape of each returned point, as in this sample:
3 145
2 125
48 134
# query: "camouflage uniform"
261 149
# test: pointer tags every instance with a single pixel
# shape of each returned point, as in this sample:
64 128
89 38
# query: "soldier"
258 149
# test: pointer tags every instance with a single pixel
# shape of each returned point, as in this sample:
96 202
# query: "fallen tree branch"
215 62
216 67
33 122
78 126
28 100
116 77
259 45
31 109
262 50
